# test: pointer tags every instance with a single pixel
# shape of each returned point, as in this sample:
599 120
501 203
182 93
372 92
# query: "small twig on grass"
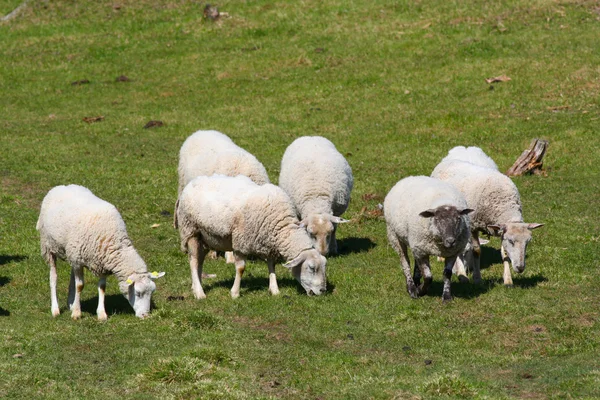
14 12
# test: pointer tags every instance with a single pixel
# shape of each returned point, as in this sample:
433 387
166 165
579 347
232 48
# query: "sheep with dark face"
430 217
497 207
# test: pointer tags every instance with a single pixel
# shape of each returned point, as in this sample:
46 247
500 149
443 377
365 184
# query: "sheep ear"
534 226
427 213
338 220
483 241
295 262
130 280
301 224
466 211
497 229
156 275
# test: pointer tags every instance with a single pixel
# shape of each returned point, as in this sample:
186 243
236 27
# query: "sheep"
430 217
235 214
319 180
86 231
497 204
212 152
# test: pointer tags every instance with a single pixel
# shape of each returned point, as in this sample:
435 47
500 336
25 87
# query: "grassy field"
395 85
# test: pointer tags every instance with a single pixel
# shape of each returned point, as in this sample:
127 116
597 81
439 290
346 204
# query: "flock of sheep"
226 203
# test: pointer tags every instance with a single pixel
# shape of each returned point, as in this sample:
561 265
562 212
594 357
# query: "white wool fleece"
493 195
413 195
473 155
316 176
212 152
236 213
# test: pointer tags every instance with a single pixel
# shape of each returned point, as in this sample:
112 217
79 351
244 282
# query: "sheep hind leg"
240 266
273 288
402 251
53 280
196 255
100 311
425 271
77 277
333 249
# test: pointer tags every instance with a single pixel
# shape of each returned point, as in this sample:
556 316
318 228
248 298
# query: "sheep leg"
229 258
71 297
417 274
506 261
196 255
333 250
53 279
476 252
77 274
240 265
449 263
425 270
100 311
460 270
273 288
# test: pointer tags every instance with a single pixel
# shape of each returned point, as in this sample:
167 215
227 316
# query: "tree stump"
530 161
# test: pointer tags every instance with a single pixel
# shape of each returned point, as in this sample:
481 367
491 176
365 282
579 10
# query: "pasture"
395 85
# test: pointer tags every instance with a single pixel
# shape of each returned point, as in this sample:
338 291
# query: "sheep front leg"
508 282
53 279
333 250
77 276
449 263
196 255
476 251
459 269
100 311
240 265
424 270
273 288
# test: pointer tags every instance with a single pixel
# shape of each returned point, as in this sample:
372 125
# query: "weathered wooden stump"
530 161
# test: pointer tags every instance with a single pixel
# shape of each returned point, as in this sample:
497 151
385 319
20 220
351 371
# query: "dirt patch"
25 194
275 330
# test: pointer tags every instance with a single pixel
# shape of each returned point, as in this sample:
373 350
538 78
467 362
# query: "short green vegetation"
395 85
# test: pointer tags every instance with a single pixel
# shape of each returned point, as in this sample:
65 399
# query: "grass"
395 85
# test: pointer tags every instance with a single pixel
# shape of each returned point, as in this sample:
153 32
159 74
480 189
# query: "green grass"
394 85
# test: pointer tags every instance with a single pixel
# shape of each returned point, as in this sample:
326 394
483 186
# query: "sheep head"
515 237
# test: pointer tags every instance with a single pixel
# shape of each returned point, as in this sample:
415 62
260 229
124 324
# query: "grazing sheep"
212 152
430 217
319 180
235 214
497 204
87 231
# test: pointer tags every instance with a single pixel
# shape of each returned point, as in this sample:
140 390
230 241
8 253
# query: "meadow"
395 85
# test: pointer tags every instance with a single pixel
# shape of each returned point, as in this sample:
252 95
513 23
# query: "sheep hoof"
463 279
413 291
56 313
446 298
102 317
509 285
235 295
477 281
76 316
199 296
274 292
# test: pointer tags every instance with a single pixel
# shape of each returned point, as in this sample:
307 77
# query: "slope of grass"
394 85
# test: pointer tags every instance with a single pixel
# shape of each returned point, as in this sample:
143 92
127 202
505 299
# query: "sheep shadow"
467 290
489 256
113 304
4 280
5 259
528 282
352 245
4 312
249 283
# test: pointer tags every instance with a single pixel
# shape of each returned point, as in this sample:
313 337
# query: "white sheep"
87 231
430 217
497 204
235 214
319 180
211 152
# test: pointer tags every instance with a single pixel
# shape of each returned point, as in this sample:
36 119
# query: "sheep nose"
323 290
449 242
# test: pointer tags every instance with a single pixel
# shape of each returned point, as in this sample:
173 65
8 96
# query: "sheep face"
515 237
309 269
139 289
320 227
448 227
